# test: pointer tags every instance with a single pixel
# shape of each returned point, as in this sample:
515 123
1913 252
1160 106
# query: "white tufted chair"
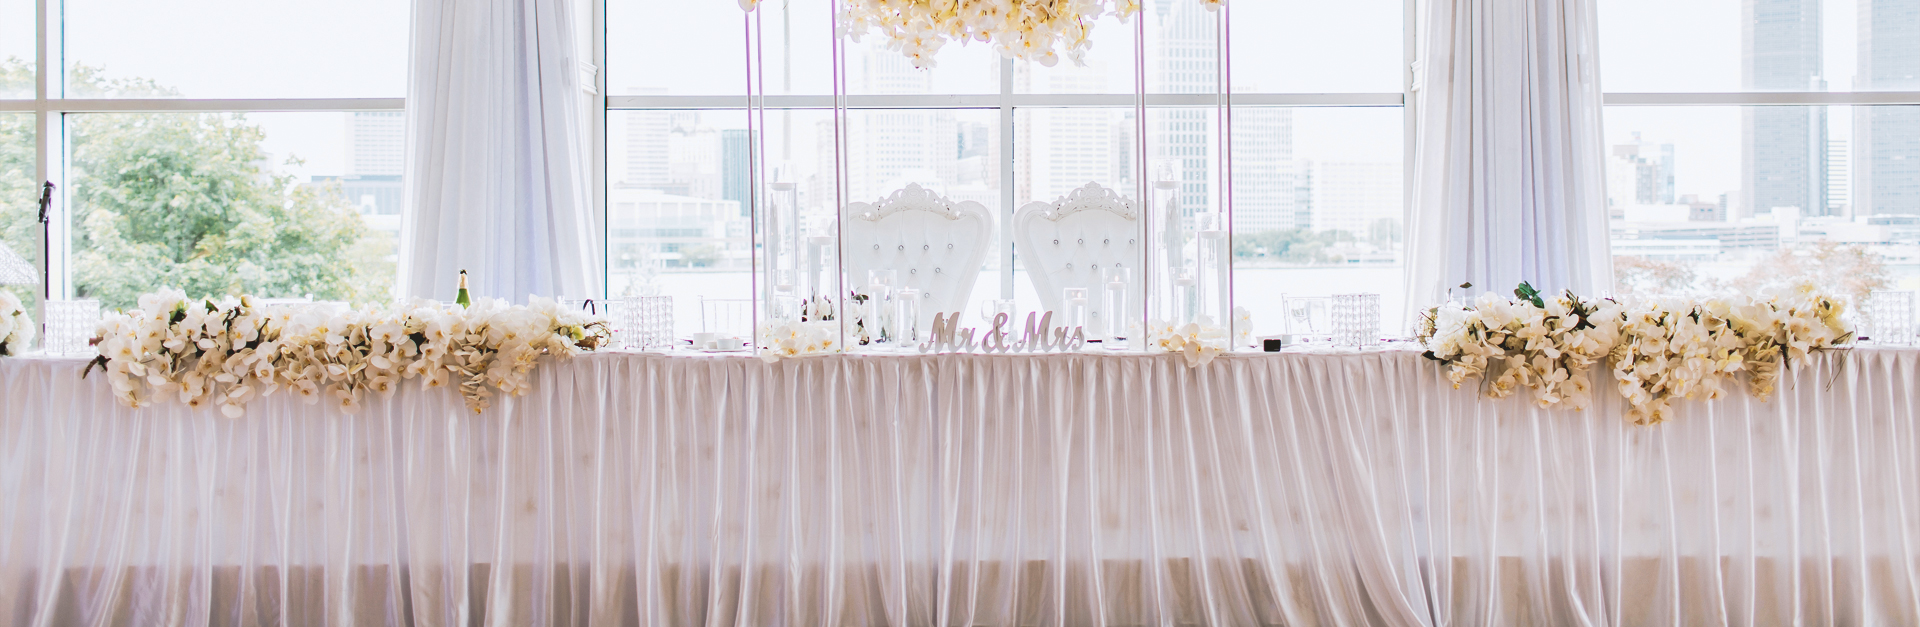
1070 242
937 245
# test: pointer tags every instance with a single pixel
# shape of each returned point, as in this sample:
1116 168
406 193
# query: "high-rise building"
1837 178
1070 146
736 168
376 142
888 149
1353 195
1186 64
1886 139
1263 169
647 145
694 158
1646 176
376 159
1783 149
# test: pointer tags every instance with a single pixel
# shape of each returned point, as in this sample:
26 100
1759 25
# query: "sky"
1694 45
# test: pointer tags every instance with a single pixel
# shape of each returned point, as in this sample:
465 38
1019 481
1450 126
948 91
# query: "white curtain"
1357 489
496 168
1509 179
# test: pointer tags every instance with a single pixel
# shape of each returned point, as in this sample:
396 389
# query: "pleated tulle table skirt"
1269 489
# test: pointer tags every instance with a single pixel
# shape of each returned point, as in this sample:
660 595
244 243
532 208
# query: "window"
164 182
1319 138
1727 171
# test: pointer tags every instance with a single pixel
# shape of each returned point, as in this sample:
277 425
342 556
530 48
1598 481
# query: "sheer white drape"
967 490
496 168
1509 169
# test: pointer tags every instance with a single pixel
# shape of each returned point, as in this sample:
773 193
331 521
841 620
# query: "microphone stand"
46 247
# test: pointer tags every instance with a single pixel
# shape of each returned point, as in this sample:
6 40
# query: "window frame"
1007 102
50 107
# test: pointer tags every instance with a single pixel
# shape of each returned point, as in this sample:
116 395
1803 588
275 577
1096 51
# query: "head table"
1073 489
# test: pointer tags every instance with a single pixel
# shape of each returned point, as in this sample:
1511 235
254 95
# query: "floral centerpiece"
16 327
230 351
1658 350
1198 342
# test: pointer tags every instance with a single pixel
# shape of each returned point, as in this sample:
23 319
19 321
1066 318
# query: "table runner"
1290 488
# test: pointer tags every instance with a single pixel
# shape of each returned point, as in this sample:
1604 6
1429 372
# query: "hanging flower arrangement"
1036 30
1042 31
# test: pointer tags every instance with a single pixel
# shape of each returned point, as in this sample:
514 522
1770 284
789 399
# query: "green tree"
188 200
19 193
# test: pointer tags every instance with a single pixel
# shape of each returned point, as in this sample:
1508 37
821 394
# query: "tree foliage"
189 200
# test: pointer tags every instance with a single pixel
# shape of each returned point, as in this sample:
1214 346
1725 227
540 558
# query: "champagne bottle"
462 299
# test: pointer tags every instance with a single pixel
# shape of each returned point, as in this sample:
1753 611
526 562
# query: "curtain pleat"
1509 168
1295 489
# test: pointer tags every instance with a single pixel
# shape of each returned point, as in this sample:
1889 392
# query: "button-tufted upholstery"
937 245
1070 242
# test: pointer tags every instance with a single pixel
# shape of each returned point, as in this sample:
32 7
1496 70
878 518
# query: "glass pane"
279 205
19 209
1108 68
236 49
1749 198
1318 209
1182 56
707 41
677 221
17 48
1300 46
1759 45
681 48
1059 151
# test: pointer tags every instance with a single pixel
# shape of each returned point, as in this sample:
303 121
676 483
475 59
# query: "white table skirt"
966 490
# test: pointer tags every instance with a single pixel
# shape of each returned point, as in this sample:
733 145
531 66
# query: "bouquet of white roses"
16 327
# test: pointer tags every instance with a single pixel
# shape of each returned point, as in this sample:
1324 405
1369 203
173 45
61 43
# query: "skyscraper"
1263 169
647 149
1838 182
1886 139
376 158
1649 171
736 168
1783 149
1186 65
375 142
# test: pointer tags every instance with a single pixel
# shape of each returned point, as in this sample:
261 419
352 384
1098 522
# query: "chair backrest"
1071 241
938 246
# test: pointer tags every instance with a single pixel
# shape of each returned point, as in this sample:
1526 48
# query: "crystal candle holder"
645 322
1356 320
1891 316
70 326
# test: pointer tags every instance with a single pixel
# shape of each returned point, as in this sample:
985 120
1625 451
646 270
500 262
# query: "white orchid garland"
231 351
16 326
1659 350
